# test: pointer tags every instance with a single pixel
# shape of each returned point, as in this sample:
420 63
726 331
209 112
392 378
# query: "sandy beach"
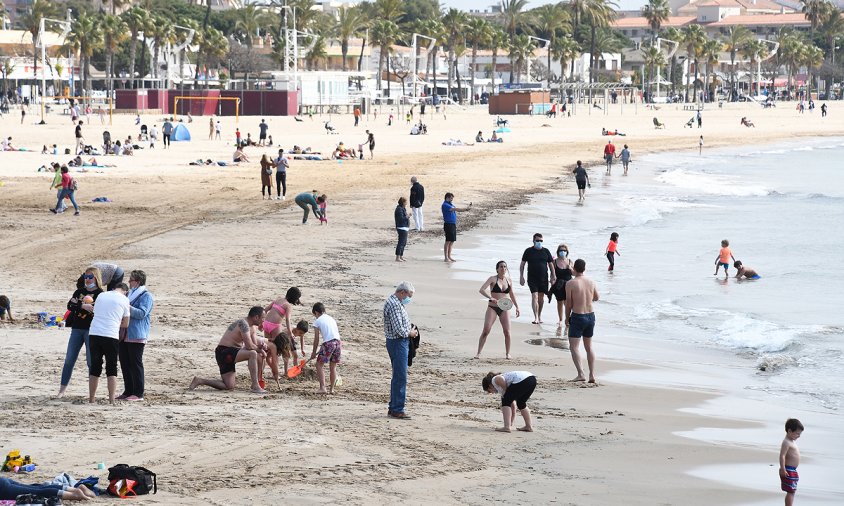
211 248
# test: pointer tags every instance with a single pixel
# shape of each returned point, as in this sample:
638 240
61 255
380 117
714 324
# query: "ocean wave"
641 210
711 184
742 332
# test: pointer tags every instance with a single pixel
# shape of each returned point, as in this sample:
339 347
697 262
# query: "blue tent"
180 133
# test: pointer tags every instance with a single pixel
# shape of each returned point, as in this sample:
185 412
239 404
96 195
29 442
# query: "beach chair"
657 124
690 123
330 129
499 122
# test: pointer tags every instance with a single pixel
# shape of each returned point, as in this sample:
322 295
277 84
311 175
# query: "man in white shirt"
329 352
111 319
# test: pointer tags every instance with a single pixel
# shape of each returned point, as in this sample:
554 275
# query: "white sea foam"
642 210
711 184
745 332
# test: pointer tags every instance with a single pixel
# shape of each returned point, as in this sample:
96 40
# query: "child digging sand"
515 388
790 459
329 352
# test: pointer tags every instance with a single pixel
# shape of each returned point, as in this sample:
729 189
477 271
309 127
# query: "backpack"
127 481
74 185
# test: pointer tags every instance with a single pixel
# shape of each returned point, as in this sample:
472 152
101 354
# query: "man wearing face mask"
398 333
539 263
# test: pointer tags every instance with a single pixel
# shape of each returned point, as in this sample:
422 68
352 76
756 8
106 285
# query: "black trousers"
132 365
281 183
402 242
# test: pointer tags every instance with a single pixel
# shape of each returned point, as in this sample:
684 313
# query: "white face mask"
91 286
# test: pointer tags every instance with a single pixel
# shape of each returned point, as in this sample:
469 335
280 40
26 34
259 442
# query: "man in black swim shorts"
539 263
238 344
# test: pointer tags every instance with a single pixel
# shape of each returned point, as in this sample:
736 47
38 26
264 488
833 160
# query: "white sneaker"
283 197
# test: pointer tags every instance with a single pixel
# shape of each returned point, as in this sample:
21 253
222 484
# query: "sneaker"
399 416
134 398
122 397
76 213
54 211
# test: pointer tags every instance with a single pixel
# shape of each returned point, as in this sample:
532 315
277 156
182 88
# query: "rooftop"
640 22
791 19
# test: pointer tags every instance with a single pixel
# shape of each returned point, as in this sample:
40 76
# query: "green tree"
550 21
734 40
521 50
599 14
755 51
136 20
454 22
656 12
213 46
514 16
250 22
478 35
710 52
675 35
84 37
384 34
653 58
498 39
814 11
389 10
565 49
812 58
693 39
367 12
348 25
114 31
416 11
31 22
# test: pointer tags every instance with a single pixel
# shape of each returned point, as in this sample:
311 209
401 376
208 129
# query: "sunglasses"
88 276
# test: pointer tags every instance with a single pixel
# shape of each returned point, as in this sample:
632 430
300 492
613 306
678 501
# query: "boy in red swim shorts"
790 459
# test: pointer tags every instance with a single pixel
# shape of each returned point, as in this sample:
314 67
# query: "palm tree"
384 34
790 53
656 12
675 35
213 45
653 59
31 22
389 10
454 22
565 49
349 22
513 16
249 23
812 58
693 38
498 39
478 34
814 11
710 52
549 20
754 50
84 37
831 28
367 13
521 50
114 31
599 14
162 32
136 20
734 40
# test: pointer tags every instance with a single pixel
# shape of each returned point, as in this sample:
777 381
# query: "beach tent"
503 130
181 133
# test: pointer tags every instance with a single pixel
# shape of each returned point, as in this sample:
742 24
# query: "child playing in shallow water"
745 272
612 250
723 259
515 388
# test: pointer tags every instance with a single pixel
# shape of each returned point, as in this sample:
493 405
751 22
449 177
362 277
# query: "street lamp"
65 24
416 57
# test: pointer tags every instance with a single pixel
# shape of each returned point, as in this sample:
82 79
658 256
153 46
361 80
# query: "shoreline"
348 266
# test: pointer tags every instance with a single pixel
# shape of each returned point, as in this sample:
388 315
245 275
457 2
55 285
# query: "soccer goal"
101 107
217 107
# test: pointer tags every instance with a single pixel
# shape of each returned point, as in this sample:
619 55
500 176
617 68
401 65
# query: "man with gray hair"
398 333
417 197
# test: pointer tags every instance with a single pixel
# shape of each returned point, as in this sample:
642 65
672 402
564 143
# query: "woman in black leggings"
515 388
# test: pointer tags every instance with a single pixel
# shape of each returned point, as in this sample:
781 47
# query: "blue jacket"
139 312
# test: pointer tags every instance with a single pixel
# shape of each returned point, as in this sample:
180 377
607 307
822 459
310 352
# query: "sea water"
776 343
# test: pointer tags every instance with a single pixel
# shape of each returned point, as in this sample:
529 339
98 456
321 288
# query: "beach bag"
128 481
74 185
414 344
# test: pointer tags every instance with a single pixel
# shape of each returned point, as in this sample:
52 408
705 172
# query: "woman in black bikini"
495 288
562 270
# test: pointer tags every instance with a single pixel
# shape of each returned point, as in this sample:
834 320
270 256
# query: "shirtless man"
745 272
239 344
580 294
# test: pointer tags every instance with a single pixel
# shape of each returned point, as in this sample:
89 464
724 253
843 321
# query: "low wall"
252 103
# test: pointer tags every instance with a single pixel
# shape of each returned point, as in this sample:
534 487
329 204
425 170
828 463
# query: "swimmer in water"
745 272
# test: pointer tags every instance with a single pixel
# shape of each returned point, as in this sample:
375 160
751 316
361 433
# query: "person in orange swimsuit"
724 257
612 250
278 318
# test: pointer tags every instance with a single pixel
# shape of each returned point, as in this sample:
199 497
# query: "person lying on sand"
745 272
10 490
457 142
604 131
238 344
515 388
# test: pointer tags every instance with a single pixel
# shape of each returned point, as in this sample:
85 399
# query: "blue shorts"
581 325
724 265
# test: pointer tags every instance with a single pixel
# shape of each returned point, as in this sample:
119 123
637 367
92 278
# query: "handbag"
127 481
